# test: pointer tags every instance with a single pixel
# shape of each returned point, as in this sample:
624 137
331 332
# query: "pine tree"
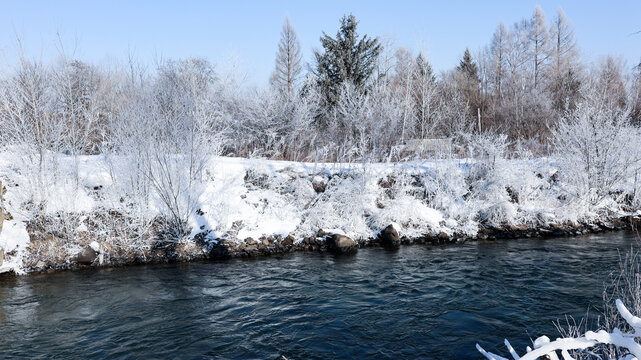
469 82
468 67
345 59
288 59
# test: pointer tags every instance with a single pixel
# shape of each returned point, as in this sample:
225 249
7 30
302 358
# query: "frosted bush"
598 152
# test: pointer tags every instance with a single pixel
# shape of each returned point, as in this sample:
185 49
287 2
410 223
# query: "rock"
219 251
443 235
1 256
321 233
341 244
521 227
319 187
389 238
387 182
86 256
251 241
40 264
266 242
289 240
319 183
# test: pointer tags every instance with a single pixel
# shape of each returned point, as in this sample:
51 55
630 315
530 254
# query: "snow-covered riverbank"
248 206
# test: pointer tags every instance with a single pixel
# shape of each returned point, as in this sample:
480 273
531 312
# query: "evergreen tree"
468 67
345 59
469 82
424 69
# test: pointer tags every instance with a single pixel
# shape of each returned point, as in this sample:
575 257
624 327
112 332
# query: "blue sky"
106 31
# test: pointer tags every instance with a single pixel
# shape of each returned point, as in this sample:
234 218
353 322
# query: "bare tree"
498 49
27 120
539 40
564 79
425 97
288 59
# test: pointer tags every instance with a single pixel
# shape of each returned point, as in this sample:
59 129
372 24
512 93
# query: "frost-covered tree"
498 49
596 147
288 59
635 95
76 88
610 83
538 37
346 58
564 73
425 97
28 124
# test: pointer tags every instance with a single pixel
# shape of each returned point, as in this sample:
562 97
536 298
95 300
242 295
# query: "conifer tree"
469 81
467 66
345 59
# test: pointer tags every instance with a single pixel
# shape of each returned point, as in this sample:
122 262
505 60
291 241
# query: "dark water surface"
418 302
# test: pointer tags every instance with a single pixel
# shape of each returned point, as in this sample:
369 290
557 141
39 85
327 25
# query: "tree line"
357 99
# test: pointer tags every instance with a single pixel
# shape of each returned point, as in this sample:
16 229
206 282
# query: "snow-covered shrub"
344 205
598 153
488 177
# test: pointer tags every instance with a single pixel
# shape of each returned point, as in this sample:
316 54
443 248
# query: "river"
432 302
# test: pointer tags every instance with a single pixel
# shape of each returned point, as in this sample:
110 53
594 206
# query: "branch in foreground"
624 342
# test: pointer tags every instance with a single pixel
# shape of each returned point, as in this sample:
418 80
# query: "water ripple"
418 302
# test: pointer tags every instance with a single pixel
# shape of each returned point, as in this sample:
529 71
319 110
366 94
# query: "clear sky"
104 31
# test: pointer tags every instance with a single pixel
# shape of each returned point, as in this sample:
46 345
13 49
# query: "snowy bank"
86 213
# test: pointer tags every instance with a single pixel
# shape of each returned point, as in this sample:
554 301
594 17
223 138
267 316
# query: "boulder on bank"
86 256
341 244
288 241
389 238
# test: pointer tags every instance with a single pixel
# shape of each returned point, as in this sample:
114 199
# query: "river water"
417 302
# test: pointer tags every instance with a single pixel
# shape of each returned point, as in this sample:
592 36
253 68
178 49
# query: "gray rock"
389 238
1 256
341 244
86 256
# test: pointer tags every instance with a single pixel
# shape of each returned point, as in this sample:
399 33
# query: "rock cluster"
322 241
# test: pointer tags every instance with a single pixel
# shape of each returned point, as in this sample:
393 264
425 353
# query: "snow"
95 246
14 237
239 198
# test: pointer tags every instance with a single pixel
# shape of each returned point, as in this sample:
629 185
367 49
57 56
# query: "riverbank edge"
325 242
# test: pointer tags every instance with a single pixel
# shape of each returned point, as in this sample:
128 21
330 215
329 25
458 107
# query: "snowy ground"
243 198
